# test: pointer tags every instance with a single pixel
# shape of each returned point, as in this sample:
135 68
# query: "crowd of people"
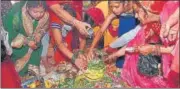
137 35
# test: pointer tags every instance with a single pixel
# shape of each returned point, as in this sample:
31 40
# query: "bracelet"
154 49
157 51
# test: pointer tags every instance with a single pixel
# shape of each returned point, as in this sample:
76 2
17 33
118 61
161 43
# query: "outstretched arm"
115 55
59 42
125 38
157 49
66 17
82 40
102 30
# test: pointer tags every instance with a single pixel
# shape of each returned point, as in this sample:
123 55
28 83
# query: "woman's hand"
115 55
82 27
146 49
173 33
90 54
164 30
170 28
37 36
111 58
32 45
169 32
81 62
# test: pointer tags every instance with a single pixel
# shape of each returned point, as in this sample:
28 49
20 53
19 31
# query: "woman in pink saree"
130 73
169 34
149 33
132 76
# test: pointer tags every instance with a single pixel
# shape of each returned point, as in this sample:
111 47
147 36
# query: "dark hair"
3 51
34 4
69 9
120 1
140 6
95 2
88 19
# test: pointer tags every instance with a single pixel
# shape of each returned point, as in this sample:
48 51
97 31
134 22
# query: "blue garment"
45 44
125 38
126 24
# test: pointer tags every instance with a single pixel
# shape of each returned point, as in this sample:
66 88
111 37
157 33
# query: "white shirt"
125 38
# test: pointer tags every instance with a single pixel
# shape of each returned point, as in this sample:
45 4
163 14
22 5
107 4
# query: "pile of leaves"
95 73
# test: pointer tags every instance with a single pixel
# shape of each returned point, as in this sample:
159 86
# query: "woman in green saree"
26 23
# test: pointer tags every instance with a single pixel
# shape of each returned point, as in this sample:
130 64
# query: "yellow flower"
48 84
32 85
